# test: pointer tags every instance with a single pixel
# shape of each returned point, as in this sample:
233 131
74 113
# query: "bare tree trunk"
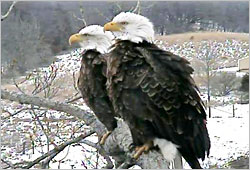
208 88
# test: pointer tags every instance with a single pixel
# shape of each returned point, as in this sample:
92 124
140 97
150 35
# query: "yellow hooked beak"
75 38
112 26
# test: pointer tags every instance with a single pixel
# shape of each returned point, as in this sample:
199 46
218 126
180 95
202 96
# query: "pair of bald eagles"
123 74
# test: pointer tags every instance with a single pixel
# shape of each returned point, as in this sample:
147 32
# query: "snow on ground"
76 156
229 135
229 69
234 70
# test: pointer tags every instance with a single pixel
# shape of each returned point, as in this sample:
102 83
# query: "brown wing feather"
91 83
153 91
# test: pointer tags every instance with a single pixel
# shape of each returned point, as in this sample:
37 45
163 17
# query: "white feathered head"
93 37
131 26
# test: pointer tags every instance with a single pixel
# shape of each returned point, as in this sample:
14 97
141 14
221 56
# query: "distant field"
199 36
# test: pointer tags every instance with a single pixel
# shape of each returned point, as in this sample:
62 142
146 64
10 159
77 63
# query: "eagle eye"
124 23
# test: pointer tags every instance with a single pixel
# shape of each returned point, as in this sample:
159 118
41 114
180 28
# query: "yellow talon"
140 149
104 137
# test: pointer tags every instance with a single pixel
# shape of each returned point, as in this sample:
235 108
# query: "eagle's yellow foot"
104 137
140 149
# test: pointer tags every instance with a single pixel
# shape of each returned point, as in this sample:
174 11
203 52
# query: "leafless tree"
224 83
209 56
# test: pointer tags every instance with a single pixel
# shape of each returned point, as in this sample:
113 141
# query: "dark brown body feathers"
153 91
91 83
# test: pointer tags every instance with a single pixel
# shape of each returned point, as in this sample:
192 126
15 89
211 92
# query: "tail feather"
167 148
170 150
191 159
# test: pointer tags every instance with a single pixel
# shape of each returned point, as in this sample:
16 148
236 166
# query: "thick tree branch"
42 102
3 17
117 144
121 138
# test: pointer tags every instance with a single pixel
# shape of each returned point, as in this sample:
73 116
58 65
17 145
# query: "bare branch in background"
17 86
101 14
51 153
76 96
118 6
137 8
110 164
74 99
9 164
44 82
46 162
3 17
82 18
11 115
19 111
33 113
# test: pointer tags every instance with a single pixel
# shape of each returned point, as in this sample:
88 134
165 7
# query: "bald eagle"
92 79
153 91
